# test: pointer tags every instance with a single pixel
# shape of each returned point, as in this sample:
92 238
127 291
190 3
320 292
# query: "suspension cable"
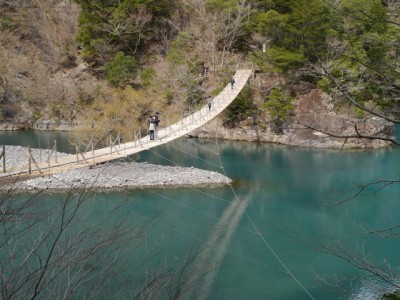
256 230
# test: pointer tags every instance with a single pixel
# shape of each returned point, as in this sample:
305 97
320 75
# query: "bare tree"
53 249
218 28
134 24
385 72
348 70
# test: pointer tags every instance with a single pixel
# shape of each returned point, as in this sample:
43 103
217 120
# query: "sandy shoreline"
110 176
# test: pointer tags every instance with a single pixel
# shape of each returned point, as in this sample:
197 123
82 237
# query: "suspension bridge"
121 150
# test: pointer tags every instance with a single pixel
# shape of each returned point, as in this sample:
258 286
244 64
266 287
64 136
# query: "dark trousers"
151 133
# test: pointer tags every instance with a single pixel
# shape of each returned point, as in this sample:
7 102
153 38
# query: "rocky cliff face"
313 123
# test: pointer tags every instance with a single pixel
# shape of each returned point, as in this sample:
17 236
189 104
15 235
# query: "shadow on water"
287 192
216 246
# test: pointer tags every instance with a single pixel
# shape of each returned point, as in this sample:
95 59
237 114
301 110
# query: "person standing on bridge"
232 81
149 119
156 120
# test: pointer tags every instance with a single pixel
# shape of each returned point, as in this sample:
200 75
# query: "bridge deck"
164 135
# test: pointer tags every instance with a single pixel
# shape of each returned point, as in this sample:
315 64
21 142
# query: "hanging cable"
256 230
268 245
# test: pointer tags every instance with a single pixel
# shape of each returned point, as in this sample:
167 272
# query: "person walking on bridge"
209 102
232 81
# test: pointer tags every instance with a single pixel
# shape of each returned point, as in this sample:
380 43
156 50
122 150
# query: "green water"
38 139
261 235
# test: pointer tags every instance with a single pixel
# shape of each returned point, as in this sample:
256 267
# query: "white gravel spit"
115 175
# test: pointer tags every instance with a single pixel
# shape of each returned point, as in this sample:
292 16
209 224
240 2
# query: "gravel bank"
114 175
18 155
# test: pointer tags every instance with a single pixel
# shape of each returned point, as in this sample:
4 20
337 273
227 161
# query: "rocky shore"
110 176
314 122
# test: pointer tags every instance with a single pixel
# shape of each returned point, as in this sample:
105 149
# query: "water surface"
262 233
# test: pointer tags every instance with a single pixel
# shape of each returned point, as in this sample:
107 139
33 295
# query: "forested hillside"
326 65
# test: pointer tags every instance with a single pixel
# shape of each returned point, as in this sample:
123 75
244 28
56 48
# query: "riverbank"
110 176
46 125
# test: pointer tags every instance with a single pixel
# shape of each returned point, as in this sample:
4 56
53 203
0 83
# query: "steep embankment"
313 123
41 76
44 83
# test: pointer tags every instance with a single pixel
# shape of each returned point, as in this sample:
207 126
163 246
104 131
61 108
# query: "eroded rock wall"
314 123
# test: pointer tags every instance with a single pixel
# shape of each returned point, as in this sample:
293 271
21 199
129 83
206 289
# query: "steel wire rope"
198 211
198 239
223 95
205 148
250 219
180 165
127 159
201 159
212 217
210 195
263 239
257 231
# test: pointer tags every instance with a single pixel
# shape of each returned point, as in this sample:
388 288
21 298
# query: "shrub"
37 114
120 70
147 76
241 108
278 105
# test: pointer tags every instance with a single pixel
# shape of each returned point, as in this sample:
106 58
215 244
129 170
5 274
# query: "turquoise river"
264 234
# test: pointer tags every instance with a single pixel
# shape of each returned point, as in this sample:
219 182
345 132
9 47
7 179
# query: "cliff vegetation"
324 69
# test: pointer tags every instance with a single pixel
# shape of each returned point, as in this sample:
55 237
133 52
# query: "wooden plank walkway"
164 135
